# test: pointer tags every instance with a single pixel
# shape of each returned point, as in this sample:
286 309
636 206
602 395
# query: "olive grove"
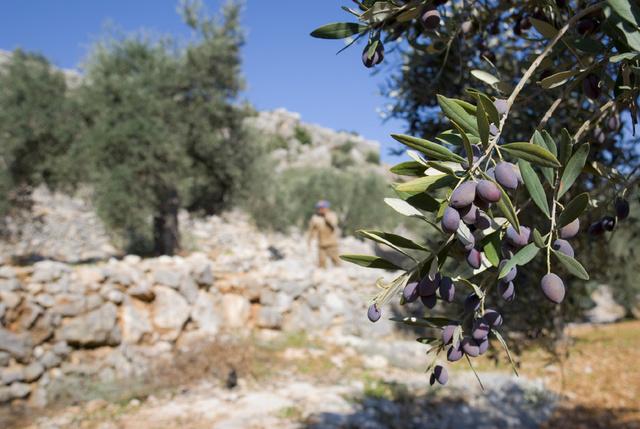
517 152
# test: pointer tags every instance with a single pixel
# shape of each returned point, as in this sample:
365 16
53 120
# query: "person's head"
322 206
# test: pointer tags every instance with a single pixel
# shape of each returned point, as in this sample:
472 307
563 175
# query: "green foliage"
302 135
163 132
373 158
37 126
288 201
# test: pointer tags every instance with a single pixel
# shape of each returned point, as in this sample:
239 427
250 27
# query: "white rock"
170 312
135 322
235 310
205 314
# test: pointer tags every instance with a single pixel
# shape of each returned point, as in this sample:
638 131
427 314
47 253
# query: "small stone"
235 310
33 371
166 277
20 390
12 374
10 299
50 360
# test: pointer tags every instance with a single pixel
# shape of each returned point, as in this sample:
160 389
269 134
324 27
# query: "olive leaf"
465 142
423 201
574 209
506 349
566 146
627 9
491 249
522 257
387 237
533 185
338 30
403 207
408 168
431 149
547 30
558 79
537 238
484 76
572 265
458 114
531 152
483 126
421 184
489 108
547 172
369 261
573 169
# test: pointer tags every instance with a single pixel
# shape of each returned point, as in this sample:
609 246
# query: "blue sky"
283 65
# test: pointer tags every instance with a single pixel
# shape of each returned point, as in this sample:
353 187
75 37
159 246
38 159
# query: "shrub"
302 135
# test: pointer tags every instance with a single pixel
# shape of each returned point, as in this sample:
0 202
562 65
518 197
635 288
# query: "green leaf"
465 142
338 30
574 209
572 265
533 185
487 78
506 349
421 184
558 79
531 152
408 168
547 172
403 207
489 108
458 114
492 249
506 207
453 138
431 149
483 127
566 147
369 261
423 201
587 44
396 240
627 9
624 56
547 30
523 257
573 169
537 238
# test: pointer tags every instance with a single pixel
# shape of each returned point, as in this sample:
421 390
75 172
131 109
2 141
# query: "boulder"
67 304
10 299
606 309
29 313
9 285
20 390
189 289
167 277
17 345
142 291
205 314
135 322
50 360
269 317
12 374
170 312
95 328
235 310
48 271
33 371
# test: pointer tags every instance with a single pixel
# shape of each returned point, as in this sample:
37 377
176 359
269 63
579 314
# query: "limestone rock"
33 371
142 291
170 312
205 314
69 304
48 271
12 374
19 390
269 317
136 322
17 345
167 277
235 310
95 328
606 309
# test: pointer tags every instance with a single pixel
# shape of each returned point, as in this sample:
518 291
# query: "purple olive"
590 86
376 58
471 303
553 288
570 230
429 301
518 239
493 318
480 329
511 275
596 229
410 292
427 286
501 105
622 208
450 220
463 195
483 345
447 289
469 214
474 258
454 354
483 221
608 223
374 313
563 246
488 191
440 375
470 347
430 18
447 333
507 291
506 175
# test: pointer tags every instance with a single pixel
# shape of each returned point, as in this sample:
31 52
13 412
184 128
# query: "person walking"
323 226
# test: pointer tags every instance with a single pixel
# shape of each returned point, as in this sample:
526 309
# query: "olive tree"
520 147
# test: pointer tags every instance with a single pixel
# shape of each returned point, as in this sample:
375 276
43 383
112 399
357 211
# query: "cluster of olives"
469 201
477 343
608 222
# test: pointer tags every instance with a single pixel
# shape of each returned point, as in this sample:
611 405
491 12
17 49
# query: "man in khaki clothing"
324 225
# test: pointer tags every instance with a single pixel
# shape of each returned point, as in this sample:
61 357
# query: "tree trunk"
166 234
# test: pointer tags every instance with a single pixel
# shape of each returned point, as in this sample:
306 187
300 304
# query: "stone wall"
111 319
